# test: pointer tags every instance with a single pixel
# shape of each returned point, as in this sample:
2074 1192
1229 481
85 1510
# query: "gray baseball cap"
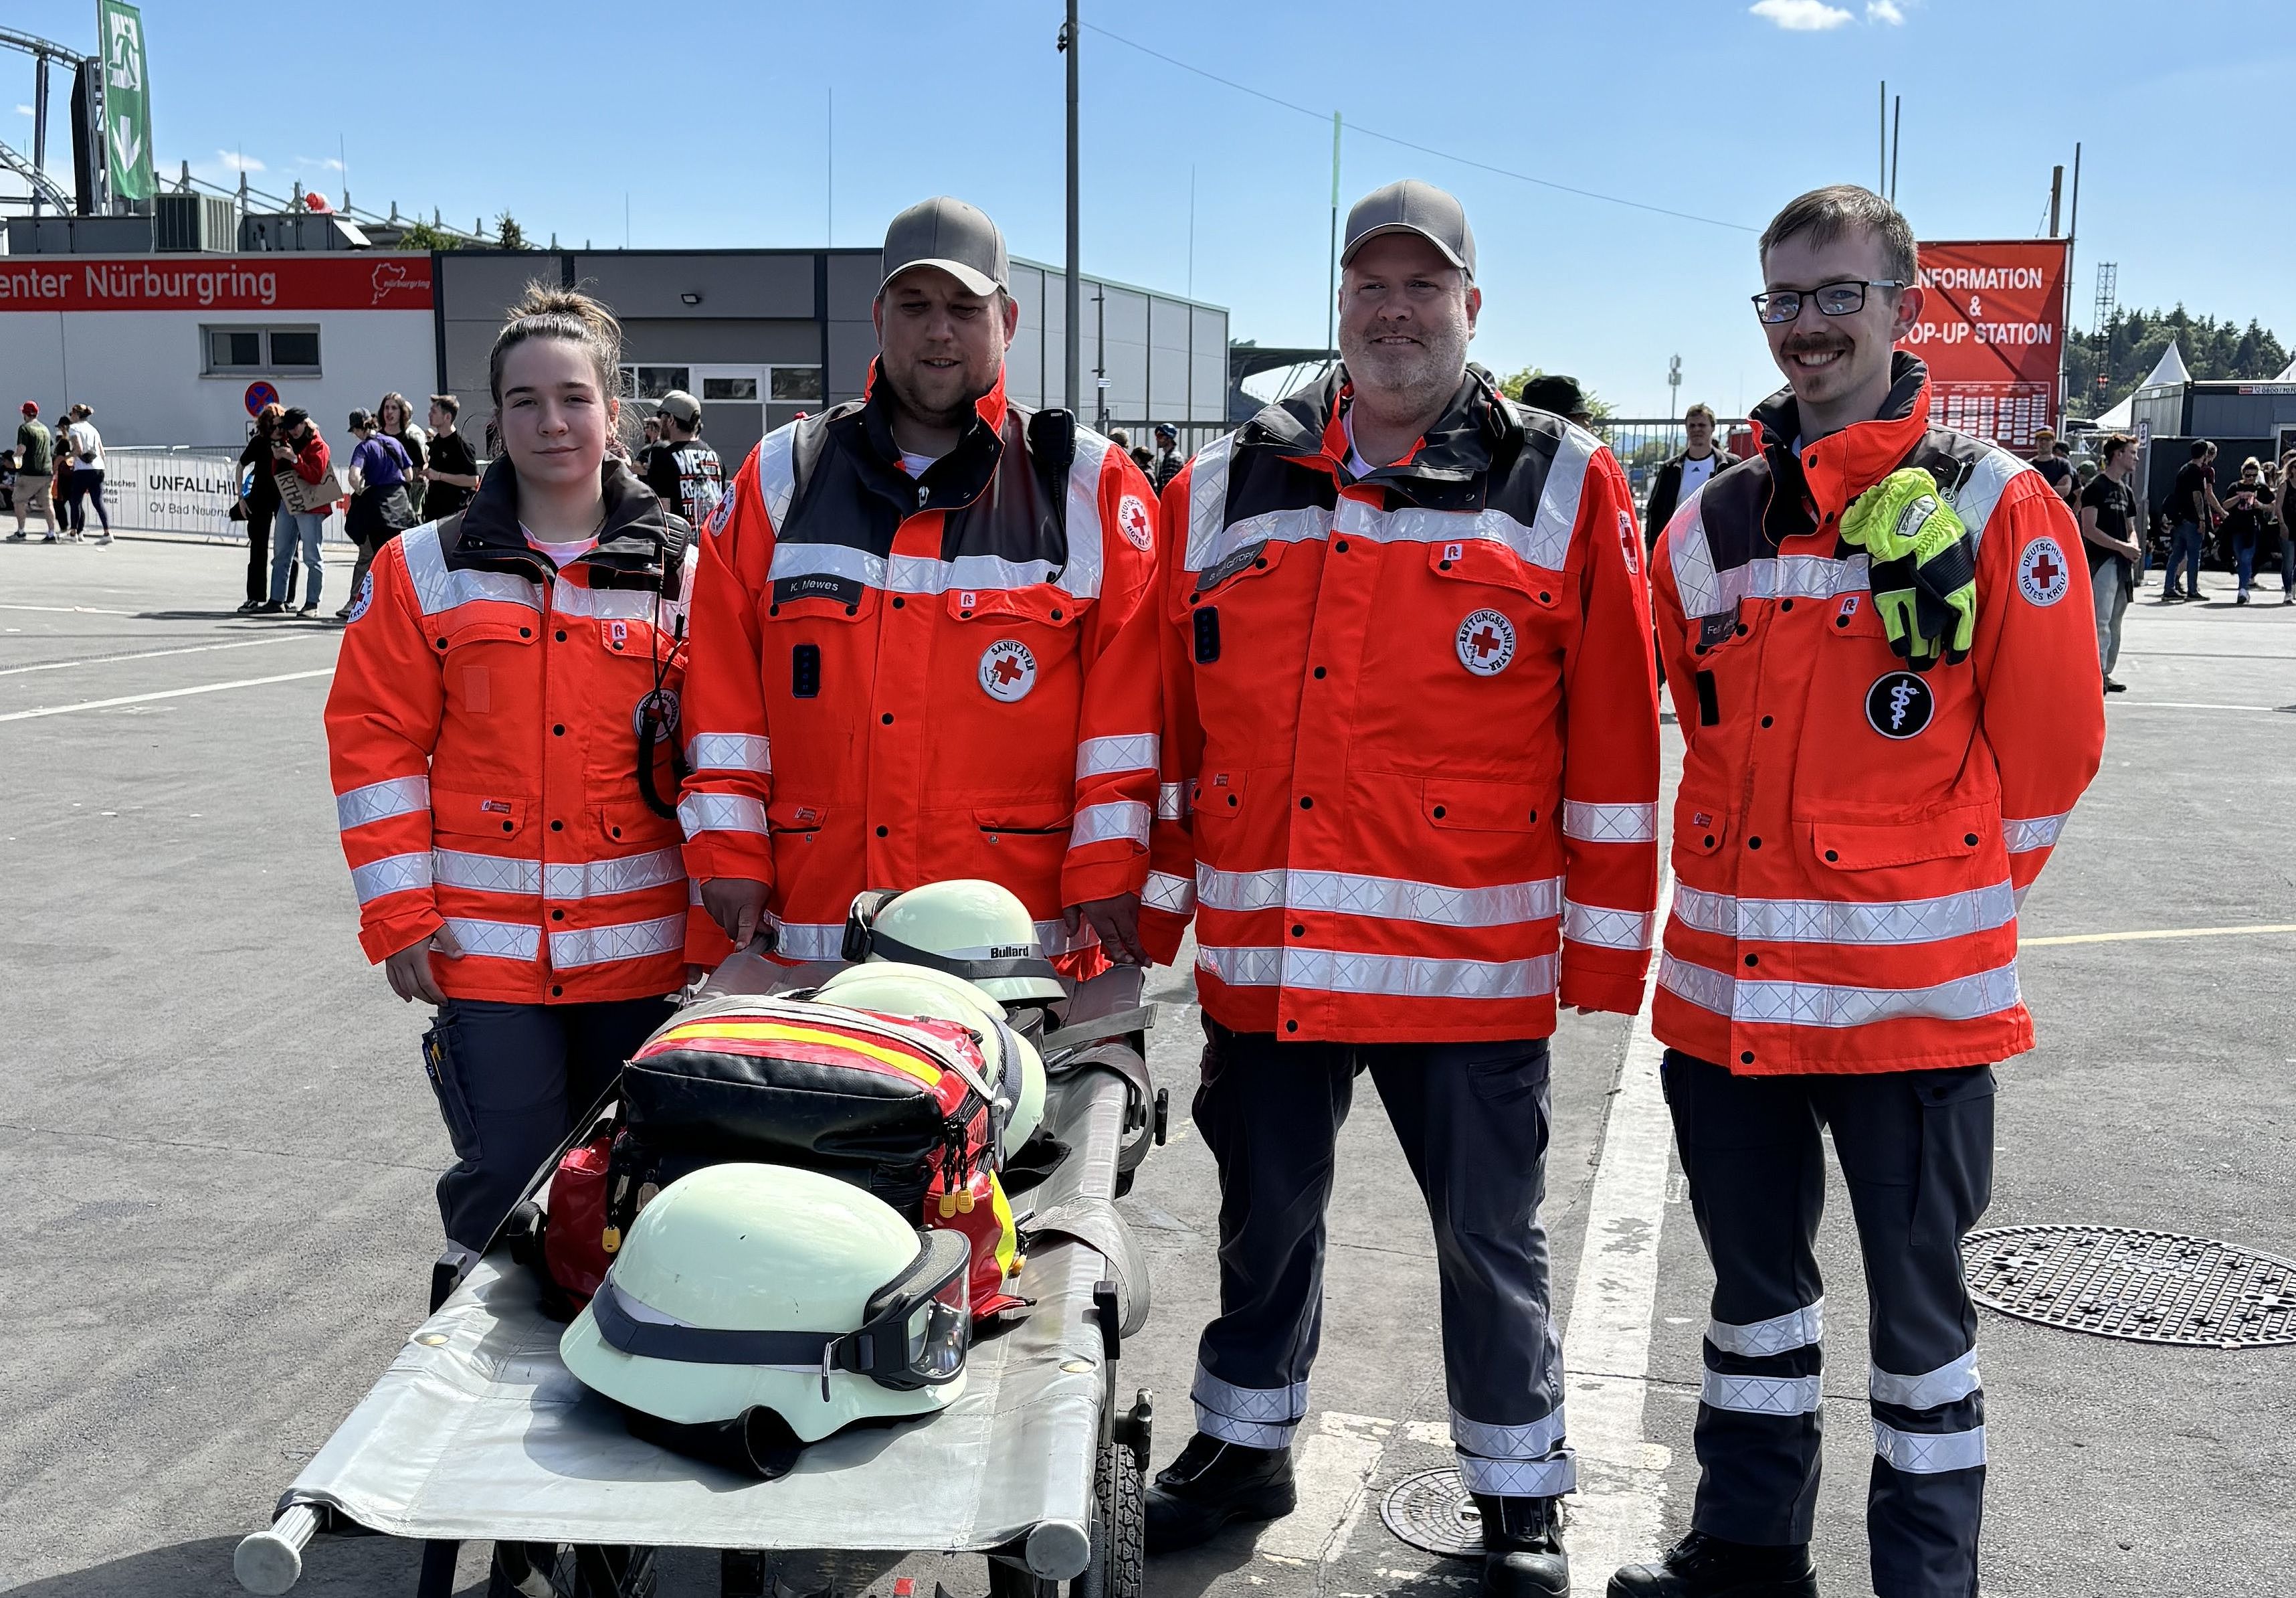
1412 206
958 238
681 405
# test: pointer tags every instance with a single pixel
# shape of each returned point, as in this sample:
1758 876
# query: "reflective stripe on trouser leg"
1917 1148
1750 1150
1269 1112
1473 1120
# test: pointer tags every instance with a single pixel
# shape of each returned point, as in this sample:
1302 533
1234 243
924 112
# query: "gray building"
761 335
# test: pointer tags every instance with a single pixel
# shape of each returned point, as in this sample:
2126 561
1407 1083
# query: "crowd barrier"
181 490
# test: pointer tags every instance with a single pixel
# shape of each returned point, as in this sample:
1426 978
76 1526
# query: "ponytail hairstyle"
548 312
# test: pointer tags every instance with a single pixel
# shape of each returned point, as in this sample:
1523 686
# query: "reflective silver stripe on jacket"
627 939
392 874
1950 1383
1167 891
496 939
1928 1453
1119 819
2034 832
1584 823
1802 1328
437 589
1825 921
1988 478
1601 928
1172 801
731 752
1388 898
1536 1440
1761 1394
1131 751
1336 971
807 940
486 873
721 813
1693 559
604 878
1518 1478
381 801
1821 1004
777 473
1055 939
628 605
1249 1417
908 574
1705 592
1208 500
1082 576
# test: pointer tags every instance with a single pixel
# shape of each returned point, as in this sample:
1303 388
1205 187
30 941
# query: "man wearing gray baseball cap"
1408 681
900 634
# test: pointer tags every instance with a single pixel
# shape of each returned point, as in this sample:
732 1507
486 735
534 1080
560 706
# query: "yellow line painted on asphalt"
105 660
2138 937
205 688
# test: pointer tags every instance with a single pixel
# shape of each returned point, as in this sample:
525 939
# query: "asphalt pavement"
221 1148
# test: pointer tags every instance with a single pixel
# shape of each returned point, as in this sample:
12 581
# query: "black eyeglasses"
1845 299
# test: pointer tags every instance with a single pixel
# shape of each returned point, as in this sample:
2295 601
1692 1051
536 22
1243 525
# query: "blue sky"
712 119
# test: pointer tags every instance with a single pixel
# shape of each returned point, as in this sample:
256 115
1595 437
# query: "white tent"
2287 372
2171 370
2120 418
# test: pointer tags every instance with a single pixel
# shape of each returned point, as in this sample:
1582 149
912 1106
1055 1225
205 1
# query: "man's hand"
1116 919
737 904
409 969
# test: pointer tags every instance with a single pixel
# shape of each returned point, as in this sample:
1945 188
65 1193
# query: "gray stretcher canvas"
477 1431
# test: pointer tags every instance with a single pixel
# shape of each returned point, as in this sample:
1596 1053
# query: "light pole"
1075 347
1674 386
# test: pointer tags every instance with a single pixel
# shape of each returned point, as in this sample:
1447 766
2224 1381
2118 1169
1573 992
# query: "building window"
235 350
729 388
798 385
652 383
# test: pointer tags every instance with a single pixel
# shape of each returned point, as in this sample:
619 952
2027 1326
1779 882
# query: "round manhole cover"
1432 1511
2155 1287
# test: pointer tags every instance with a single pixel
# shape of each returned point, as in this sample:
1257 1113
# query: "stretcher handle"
271 1561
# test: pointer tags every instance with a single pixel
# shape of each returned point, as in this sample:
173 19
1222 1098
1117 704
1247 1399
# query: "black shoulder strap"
1051 450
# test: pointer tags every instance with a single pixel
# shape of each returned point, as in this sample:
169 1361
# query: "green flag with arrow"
127 101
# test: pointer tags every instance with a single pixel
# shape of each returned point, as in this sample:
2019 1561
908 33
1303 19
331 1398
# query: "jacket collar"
1842 466
957 478
633 540
1449 469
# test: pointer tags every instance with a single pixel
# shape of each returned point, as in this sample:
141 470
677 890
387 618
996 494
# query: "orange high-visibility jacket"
896 681
1852 838
1411 741
482 735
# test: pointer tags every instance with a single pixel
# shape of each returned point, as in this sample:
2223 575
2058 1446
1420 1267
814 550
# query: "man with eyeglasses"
1879 641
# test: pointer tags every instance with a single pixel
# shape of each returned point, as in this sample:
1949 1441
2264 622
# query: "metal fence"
182 491
1194 435
1643 444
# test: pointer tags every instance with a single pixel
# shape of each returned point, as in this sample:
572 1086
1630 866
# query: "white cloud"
231 161
1885 11
1802 16
23 111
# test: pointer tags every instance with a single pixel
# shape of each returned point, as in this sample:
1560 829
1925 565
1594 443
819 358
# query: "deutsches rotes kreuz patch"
720 513
1007 669
1486 643
365 598
1627 540
1132 517
2042 576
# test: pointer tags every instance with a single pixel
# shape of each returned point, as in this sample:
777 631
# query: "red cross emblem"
1008 671
2041 573
1486 642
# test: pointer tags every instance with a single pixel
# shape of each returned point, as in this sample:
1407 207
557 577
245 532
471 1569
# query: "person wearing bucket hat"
902 639
755 1309
1409 682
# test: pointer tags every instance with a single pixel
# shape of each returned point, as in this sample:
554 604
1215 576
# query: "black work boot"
1705 1567
1522 1548
1211 1484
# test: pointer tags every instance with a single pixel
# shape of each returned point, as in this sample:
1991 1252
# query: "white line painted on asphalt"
2183 705
69 610
105 660
205 688
1615 1518
2139 937
1334 1471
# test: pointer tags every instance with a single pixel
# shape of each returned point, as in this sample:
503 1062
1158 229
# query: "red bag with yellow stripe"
900 1107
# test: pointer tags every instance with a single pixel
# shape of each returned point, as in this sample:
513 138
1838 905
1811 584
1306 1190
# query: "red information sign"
1992 333
359 281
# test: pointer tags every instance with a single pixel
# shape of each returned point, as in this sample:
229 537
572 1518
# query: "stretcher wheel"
563 1570
1120 1526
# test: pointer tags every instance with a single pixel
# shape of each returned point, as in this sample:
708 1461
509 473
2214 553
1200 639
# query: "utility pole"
39 122
1074 333
1881 172
1674 386
1896 124
1331 284
2108 304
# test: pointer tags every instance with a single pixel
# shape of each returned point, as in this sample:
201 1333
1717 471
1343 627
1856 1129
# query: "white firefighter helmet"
894 988
746 1287
971 928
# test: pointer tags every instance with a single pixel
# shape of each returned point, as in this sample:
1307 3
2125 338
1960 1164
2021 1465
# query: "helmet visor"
920 1325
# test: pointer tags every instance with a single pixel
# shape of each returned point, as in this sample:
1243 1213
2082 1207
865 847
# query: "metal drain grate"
1433 1512
2153 1287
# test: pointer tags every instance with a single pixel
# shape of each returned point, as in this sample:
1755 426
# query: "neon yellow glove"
1924 566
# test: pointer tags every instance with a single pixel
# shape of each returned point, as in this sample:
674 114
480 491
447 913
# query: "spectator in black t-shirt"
2051 460
2192 509
683 473
2283 502
2108 518
451 476
261 501
2248 511
395 419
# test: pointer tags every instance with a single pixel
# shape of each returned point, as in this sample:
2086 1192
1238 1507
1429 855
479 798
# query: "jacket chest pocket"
820 597
811 632
486 662
1205 608
1483 562
1480 608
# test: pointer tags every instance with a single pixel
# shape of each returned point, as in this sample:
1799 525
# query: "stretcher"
476 1432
